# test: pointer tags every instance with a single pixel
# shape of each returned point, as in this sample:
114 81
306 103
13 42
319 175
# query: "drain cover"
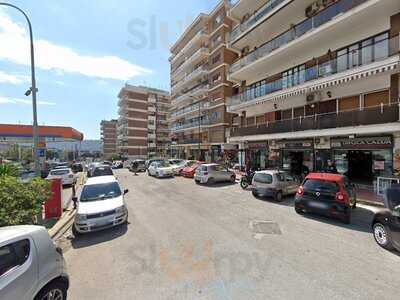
265 227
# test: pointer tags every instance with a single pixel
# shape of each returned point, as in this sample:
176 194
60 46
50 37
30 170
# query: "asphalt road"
187 241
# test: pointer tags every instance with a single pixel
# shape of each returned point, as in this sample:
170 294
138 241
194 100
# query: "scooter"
246 180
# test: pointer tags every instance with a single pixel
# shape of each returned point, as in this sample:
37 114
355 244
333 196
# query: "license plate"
318 205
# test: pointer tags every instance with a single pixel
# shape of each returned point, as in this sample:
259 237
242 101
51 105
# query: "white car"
160 169
66 175
178 165
100 205
31 266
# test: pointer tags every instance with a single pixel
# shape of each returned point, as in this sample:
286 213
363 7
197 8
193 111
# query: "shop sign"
297 144
257 145
363 143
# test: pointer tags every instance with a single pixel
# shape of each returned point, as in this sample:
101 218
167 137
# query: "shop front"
363 159
257 155
297 156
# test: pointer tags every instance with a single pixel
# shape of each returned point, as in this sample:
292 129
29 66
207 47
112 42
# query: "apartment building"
108 131
318 81
142 126
200 62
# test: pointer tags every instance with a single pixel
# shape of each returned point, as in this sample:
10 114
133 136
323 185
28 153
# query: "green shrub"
9 170
21 203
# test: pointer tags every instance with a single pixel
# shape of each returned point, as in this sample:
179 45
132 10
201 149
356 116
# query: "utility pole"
32 90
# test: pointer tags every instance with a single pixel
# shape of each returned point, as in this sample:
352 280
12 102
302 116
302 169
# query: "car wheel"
75 232
210 181
299 210
233 178
255 194
347 218
148 173
56 290
382 236
278 196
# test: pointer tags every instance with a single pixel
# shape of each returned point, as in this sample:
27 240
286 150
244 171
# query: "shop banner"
257 145
304 144
365 143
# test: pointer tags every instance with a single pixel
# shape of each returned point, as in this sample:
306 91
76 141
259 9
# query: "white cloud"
50 56
7 100
12 78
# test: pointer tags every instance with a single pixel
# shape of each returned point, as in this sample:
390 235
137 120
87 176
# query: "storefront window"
341 162
382 163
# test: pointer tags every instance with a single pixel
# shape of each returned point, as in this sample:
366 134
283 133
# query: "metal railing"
297 31
187 78
188 60
367 116
382 50
189 44
254 18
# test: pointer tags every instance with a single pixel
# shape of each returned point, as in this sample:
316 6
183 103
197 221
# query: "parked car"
101 205
31 266
149 161
178 165
27 176
141 165
190 170
66 175
274 183
327 194
117 164
107 163
160 169
102 170
77 167
212 173
386 222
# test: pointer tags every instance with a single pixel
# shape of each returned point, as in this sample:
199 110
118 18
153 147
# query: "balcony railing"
268 7
194 74
198 89
297 31
188 45
189 125
376 51
188 60
368 116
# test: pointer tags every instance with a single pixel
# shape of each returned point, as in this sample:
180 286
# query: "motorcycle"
246 180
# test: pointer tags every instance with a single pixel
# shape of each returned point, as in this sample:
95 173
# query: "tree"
21 203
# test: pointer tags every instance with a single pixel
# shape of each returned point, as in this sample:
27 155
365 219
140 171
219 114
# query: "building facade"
318 81
142 126
200 62
108 131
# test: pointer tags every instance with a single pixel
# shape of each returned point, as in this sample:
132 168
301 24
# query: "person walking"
135 166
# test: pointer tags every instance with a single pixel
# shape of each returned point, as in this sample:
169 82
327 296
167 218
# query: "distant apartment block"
142 126
109 137
200 63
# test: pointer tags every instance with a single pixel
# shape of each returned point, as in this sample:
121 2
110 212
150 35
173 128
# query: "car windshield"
321 185
59 172
164 164
102 171
101 191
263 178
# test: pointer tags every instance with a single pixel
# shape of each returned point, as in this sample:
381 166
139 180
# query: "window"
263 178
95 192
13 255
218 19
381 46
366 51
321 185
216 58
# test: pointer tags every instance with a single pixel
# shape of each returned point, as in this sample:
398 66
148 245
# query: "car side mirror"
396 211
126 191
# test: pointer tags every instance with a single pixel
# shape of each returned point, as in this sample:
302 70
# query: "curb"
370 203
62 224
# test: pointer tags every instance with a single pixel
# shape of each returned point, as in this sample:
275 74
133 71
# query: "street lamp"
32 90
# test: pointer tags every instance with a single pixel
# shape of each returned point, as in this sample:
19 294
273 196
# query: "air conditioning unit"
314 97
312 9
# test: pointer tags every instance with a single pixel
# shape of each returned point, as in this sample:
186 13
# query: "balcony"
350 118
151 136
190 125
341 64
199 36
151 145
253 19
328 14
189 94
151 109
197 73
193 59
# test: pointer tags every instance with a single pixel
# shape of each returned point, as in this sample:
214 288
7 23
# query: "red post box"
53 207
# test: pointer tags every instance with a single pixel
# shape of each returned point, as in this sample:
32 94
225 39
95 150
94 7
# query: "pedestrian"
331 168
135 166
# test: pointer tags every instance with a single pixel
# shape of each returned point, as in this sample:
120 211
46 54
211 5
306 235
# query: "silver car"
274 183
211 173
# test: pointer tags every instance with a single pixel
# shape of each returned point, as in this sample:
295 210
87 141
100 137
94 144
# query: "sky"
85 52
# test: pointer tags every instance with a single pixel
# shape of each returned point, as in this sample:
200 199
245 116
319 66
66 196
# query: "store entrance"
360 167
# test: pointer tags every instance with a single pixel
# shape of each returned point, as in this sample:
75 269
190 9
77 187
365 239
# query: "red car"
327 194
190 170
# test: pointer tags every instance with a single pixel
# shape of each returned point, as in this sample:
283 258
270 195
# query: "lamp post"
32 90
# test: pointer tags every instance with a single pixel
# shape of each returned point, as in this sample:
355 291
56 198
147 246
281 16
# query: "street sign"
41 152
